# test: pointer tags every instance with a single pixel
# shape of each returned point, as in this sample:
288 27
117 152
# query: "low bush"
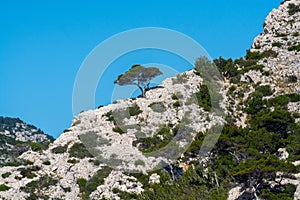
60 149
294 48
276 44
119 130
4 187
47 162
78 150
134 110
293 9
86 187
6 174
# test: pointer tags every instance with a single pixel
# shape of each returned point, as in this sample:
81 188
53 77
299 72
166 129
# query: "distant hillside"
16 128
17 137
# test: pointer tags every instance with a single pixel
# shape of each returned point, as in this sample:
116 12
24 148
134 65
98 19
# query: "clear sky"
43 43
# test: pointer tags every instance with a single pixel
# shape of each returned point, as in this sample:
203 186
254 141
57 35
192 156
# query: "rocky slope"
124 131
16 137
19 130
110 152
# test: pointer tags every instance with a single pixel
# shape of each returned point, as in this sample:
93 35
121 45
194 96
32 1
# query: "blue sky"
43 43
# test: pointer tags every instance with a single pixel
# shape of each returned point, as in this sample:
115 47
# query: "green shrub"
134 110
73 161
253 67
67 130
265 90
109 116
47 162
6 174
78 150
180 79
28 172
4 187
118 130
266 73
270 53
255 55
231 89
276 44
281 34
60 149
177 104
159 140
203 98
86 187
292 79
35 188
293 9
35 146
294 48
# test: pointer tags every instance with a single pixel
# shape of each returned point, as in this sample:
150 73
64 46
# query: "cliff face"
110 152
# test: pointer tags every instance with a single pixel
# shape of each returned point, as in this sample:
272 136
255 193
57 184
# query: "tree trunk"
143 90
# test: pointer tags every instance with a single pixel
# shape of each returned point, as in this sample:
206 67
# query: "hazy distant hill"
16 137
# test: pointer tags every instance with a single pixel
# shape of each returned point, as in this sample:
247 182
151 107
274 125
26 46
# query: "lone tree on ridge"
139 76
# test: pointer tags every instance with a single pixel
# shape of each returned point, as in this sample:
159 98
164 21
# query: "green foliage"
281 101
286 192
226 66
34 188
203 98
293 9
278 34
294 48
277 121
276 44
109 116
265 90
28 172
231 89
6 174
192 185
60 149
118 130
180 79
47 162
4 187
252 67
73 161
255 55
292 79
125 195
174 97
139 76
78 150
149 144
134 110
176 104
270 53
67 130
87 187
